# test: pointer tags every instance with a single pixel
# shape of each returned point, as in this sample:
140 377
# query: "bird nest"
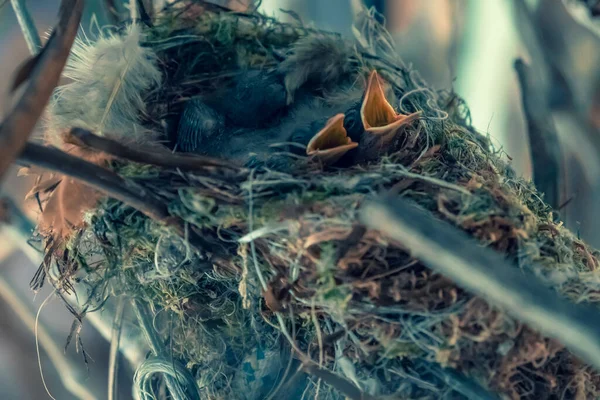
263 282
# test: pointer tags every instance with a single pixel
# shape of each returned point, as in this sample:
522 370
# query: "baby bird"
295 108
256 98
356 130
366 136
365 130
199 126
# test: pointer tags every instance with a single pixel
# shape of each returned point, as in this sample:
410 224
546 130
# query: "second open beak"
331 143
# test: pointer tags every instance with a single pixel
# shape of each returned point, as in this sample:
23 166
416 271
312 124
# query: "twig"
543 137
162 159
18 125
451 252
32 38
113 357
145 321
336 381
69 375
97 177
112 185
460 383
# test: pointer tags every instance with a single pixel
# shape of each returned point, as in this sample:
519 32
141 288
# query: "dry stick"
115 344
19 124
97 177
343 385
83 137
543 137
109 183
32 38
144 318
452 253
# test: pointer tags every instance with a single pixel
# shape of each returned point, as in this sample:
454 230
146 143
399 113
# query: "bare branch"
112 185
543 137
97 177
19 124
32 38
451 252
165 159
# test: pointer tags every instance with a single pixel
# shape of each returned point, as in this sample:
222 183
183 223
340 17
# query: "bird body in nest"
252 123
306 106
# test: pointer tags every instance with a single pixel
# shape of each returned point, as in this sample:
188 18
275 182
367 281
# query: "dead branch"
165 159
19 124
543 137
452 253
111 184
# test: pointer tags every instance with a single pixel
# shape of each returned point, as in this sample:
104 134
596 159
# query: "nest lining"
351 299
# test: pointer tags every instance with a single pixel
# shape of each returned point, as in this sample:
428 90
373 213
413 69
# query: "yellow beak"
331 143
379 117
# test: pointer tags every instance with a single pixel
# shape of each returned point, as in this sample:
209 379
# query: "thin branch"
69 374
113 186
343 385
543 137
451 252
32 38
83 137
19 124
113 357
97 177
156 345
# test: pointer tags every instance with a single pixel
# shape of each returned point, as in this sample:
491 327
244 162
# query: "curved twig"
19 124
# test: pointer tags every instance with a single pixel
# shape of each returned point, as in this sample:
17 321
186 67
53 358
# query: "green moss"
390 308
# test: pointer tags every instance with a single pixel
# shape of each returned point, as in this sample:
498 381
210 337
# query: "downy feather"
320 60
109 78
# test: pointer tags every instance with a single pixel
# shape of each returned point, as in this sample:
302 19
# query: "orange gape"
380 121
379 117
332 142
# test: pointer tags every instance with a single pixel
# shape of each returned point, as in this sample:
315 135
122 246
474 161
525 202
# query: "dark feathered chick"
199 127
255 99
326 131
326 120
364 133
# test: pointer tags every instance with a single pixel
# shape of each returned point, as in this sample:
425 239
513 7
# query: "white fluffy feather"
105 95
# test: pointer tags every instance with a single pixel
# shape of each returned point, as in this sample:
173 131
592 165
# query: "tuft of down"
320 60
108 80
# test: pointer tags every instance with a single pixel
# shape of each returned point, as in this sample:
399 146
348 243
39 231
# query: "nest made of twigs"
268 269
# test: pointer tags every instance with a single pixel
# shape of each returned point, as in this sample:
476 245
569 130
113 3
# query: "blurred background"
469 46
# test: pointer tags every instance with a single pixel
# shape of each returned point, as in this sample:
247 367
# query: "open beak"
378 116
331 143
